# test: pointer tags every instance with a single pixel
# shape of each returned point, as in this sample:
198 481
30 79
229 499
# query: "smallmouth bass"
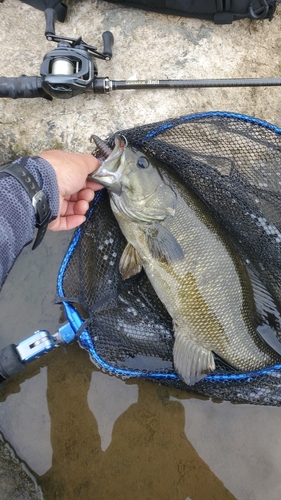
191 264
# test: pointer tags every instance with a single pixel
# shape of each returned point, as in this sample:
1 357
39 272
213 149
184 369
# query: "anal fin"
192 362
268 315
130 262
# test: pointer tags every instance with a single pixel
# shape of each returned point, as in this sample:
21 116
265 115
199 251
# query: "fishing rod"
71 69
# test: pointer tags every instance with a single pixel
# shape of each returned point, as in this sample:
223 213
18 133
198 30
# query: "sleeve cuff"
45 176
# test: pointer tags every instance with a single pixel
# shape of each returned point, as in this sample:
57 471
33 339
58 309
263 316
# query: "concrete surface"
16 481
147 46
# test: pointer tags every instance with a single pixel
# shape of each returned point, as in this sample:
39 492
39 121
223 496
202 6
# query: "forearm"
17 217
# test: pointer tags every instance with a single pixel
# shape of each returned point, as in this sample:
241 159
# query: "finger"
92 163
80 207
86 194
66 223
71 207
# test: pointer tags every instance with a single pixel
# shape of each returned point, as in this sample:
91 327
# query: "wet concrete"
147 46
16 481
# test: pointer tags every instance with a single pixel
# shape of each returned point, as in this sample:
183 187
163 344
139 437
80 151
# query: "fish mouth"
108 174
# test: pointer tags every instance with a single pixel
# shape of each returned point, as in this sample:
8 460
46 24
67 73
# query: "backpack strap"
57 5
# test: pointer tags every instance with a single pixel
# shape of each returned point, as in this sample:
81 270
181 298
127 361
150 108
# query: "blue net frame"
216 379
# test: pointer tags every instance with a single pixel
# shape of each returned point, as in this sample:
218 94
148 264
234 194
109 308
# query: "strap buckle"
38 198
260 12
43 216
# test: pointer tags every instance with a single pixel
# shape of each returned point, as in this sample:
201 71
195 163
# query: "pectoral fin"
192 362
162 244
130 262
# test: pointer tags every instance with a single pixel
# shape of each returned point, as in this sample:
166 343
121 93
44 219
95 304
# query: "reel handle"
51 17
108 41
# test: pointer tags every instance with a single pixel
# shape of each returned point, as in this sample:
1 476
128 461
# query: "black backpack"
219 11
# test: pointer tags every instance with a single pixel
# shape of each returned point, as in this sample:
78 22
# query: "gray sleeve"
17 218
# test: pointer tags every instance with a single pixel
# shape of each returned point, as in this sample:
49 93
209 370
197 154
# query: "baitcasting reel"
70 68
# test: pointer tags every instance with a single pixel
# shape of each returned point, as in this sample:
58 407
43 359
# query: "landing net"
233 163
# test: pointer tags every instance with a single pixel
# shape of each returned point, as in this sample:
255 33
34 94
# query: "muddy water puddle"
84 434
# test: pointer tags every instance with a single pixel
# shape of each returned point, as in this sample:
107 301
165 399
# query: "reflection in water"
108 398
134 439
25 420
148 457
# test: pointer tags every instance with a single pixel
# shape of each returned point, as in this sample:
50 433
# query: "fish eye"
142 162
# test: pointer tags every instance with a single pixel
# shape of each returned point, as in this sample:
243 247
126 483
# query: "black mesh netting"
233 163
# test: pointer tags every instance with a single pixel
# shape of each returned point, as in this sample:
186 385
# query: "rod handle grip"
10 363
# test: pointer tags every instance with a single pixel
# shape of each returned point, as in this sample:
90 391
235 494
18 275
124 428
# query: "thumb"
91 163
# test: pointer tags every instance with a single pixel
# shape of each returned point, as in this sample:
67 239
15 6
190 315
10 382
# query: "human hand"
75 190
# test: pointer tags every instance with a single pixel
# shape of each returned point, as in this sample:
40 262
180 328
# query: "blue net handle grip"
13 358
